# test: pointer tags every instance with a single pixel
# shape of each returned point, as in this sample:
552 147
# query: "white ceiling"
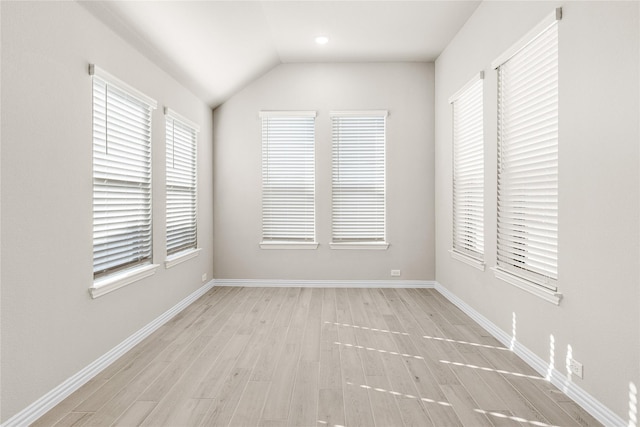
217 47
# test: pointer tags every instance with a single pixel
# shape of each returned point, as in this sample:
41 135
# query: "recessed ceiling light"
322 40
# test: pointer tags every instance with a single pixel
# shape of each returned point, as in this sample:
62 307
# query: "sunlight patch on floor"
325 423
377 350
367 328
518 419
483 368
395 393
465 342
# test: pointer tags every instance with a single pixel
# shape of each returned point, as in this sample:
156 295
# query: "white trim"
115 281
381 246
94 70
288 245
276 283
275 113
548 21
531 287
590 404
175 116
469 260
463 89
357 113
38 408
180 257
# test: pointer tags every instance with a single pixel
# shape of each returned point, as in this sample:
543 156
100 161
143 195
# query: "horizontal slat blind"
468 172
121 179
288 177
181 145
528 161
358 177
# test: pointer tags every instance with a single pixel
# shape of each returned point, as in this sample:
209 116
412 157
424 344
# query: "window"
121 176
358 180
528 162
288 180
468 174
181 143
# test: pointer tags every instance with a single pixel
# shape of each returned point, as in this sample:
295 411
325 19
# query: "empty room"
319 213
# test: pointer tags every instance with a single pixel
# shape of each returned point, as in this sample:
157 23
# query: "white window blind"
121 175
528 159
181 146
288 177
468 170
358 177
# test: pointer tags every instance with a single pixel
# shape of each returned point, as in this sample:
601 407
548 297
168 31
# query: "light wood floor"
319 357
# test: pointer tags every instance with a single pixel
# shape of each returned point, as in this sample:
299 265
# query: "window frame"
467 138
376 243
117 276
528 277
272 148
190 130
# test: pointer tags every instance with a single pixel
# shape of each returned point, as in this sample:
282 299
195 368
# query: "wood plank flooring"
318 357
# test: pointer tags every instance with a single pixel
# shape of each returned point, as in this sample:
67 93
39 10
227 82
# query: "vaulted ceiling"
217 47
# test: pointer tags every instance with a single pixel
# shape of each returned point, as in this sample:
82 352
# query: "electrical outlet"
204 277
576 368
395 273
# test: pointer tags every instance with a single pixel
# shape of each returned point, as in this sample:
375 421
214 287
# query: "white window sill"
528 286
364 245
108 284
180 257
288 245
473 262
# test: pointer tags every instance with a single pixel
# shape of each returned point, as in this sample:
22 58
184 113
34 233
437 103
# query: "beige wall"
51 328
598 189
406 91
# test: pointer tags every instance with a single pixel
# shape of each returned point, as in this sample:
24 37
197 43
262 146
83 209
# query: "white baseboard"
326 283
590 404
38 408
